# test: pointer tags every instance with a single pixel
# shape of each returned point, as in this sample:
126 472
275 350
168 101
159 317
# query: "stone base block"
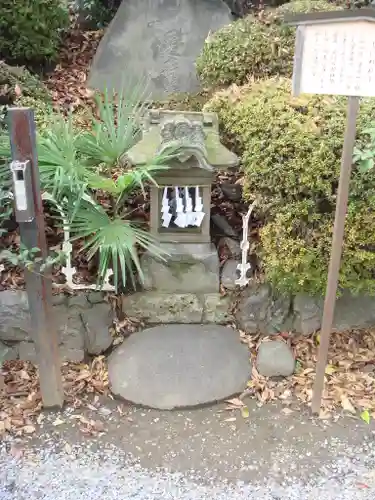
181 308
187 268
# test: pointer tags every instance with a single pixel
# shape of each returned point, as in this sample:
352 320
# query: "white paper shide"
180 208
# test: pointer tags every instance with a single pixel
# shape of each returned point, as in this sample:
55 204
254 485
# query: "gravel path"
192 455
52 474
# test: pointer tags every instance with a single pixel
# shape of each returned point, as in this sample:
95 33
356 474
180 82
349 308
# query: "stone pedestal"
188 268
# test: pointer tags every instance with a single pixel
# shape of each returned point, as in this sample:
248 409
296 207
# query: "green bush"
291 149
30 30
251 48
96 13
21 88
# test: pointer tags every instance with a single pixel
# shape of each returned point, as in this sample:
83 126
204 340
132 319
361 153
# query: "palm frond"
62 171
116 241
118 127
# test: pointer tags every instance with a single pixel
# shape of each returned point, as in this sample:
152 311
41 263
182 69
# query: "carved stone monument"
181 201
159 40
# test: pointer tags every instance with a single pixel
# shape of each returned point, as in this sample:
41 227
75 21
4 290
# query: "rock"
232 247
259 311
223 225
70 336
350 312
188 268
308 313
354 312
69 328
275 359
27 353
14 316
158 40
7 353
95 297
96 329
232 191
155 307
59 300
217 309
229 274
175 366
79 301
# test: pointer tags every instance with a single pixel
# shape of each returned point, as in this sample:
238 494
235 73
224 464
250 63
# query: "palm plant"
76 167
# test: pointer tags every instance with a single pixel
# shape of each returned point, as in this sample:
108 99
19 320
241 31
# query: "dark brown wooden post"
29 214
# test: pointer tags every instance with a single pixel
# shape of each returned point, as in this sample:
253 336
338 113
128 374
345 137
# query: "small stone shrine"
180 203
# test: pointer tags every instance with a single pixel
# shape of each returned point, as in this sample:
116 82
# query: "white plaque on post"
336 57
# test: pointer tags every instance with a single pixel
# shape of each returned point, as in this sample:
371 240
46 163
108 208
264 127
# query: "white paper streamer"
198 209
181 216
165 209
190 217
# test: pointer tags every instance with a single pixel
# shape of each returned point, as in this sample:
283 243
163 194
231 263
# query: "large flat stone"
155 307
157 39
178 366
188 268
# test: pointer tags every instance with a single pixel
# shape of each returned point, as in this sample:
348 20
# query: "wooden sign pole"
29 214
336 251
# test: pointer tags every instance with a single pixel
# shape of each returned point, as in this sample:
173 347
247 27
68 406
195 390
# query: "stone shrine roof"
192 133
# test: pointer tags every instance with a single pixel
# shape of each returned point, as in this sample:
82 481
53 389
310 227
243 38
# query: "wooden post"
336 251
29 214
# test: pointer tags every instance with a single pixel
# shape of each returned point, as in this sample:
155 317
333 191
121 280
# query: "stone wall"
259 310
82 320
256 309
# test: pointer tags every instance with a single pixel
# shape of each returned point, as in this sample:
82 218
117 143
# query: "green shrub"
97 13
20 88
291 149
30 30
251 48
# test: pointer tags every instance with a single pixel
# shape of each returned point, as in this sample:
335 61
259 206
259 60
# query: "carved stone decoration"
185 136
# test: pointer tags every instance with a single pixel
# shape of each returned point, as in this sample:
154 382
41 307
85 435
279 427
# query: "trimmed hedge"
30 30
291 149
251 48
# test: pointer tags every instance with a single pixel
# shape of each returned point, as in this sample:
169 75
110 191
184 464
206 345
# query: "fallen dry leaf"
57 422
287 411
346 404
230 419
28 429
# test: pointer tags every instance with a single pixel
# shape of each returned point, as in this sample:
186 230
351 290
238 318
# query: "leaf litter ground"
349 387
